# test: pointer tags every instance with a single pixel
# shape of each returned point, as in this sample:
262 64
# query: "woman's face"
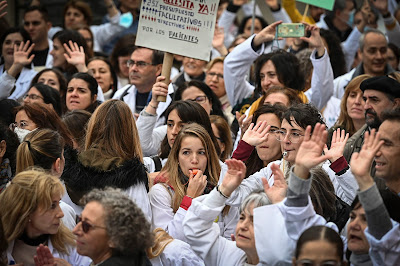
268 76
292 141
318 252
33 96
24 122
45 221
215 79
355 105
218 137
123 68
49 78
193 67
73 18
95 242
247 27
79 96
277 97
392 59
88 37
101 72
270 149
174 125
244 232
192 155
8 46
196 95
357 241
58 54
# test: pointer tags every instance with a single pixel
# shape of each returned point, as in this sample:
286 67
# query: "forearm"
298 190
111 8
14 70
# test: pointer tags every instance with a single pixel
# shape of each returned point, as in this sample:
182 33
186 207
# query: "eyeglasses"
139 64
32 96
294 137
323 263
199 99
212 75
21 125
87 226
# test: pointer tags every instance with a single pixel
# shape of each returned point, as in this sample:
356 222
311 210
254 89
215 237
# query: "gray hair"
257 199
126 225
361 41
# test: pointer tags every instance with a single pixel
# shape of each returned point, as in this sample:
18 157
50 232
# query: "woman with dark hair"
394 56
7 111
100 68
334 48
245 25
76 123
119 57
8 148
82 93
31 116
42 93
52 77
201 93
15 47
223 135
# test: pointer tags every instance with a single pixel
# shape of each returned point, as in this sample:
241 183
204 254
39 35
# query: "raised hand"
43 256
381 5
309 154
267 34
273 4
256 134
218 41
3 5
197 184
21 54
233 177
315 39
361 162
277 192
75 55
244 122
239 2
339 139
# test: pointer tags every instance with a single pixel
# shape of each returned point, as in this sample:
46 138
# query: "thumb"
265 184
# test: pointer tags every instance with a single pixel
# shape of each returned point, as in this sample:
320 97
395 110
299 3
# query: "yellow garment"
293 12
260 101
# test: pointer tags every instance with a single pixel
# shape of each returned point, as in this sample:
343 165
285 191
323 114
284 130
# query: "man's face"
375 103
374 54
388 156
143 76
36 26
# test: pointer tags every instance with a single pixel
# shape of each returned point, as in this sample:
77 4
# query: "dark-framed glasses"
21 125
87 226
32 96
199 99
139 64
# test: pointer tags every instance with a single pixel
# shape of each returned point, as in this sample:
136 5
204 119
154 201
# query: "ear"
56 167
49 25
158 69
396 103
3 148
111 244
359 53
94 98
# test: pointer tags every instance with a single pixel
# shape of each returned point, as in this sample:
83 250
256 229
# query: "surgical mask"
350 21
21 133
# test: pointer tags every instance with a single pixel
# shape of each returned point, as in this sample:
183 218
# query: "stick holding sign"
166 72
305 13
177 27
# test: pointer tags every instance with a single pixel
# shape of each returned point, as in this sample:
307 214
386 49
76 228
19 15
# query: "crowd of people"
277 151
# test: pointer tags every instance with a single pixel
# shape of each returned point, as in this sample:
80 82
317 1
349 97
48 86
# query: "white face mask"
21 133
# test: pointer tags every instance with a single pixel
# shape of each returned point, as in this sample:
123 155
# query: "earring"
29 220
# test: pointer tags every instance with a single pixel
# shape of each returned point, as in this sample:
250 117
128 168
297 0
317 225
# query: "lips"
242 237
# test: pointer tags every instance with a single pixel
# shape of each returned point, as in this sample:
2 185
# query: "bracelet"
222 194
189 196
155 108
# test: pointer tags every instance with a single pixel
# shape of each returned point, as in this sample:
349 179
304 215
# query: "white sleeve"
227 223
350 47
69 219
321 81
105 32
394 33
236 68
345 185
150 137
179 253
163 214
202 234
7 83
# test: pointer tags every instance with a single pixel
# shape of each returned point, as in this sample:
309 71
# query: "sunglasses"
87 226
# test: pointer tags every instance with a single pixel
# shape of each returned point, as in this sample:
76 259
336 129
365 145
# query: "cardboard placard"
180 27
325 4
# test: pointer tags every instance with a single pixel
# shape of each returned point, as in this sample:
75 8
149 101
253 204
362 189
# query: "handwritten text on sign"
178 26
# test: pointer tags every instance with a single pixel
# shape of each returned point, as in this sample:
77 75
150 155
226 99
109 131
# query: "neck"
41 45
394 185
125 9
369 72
252 257
358 124
102 257
340 25
143 89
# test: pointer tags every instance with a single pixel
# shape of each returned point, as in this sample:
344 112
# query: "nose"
77 229
96 74
286 138
74 93
26 100
175 130
367 105
358 99
355 224
194 159
60 213
379 54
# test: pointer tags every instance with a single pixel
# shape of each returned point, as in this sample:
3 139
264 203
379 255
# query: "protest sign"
184 27
325 4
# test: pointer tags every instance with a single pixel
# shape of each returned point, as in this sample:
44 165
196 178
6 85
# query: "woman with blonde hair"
35 218
192 169
352 116
112 156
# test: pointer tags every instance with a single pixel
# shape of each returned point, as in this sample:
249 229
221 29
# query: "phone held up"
290 30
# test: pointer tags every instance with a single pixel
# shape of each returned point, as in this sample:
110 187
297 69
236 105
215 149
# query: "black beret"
383 84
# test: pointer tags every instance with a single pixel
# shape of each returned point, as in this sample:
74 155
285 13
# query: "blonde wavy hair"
112 128
30 191
172 166
161 240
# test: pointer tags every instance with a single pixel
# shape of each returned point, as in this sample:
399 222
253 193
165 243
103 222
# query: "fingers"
265 184
277 172
307 133
273 25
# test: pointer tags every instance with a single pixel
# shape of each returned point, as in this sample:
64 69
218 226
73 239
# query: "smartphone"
290 30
